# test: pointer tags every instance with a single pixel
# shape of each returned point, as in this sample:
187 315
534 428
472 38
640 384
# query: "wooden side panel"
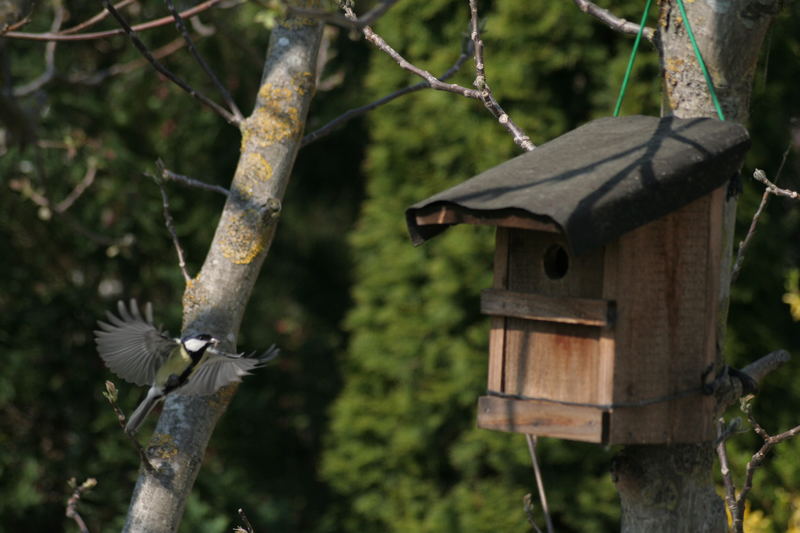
665 335
541 418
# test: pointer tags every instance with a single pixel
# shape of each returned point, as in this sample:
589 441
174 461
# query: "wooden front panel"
666 290
554 361
569 361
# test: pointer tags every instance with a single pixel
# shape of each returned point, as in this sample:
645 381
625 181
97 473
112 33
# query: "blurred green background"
367 423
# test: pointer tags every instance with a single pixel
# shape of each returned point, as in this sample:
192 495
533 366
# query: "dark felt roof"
602 179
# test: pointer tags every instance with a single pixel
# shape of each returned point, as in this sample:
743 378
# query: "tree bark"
215 300
670 488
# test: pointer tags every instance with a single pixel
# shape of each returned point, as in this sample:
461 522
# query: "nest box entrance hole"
555 261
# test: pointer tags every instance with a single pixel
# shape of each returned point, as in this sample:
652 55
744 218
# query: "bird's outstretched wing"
222 368
131 346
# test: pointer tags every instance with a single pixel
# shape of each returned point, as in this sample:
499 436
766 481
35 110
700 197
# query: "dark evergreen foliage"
367 421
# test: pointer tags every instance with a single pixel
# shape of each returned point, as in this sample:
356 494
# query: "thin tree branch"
329 17
72 502
111 395
49 59
486 95
88 23
529 507
727 476
345 117
199 8
433 82
248 527
168 222
760 368
79 189
93 78
612 21
232 107
531 440
224 113
167 174
757 370
761 176
737 266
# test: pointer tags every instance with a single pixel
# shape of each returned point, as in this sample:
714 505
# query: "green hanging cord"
701 62
632 58
697 54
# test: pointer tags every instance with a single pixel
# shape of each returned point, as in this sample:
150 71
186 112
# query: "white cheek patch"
194 345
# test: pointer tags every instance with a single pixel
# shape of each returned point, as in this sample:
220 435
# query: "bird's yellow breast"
176 363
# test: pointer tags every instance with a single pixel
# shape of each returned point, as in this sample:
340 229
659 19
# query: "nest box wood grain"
606 277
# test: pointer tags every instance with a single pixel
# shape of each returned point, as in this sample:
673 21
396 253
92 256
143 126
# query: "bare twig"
64 36
432 80
736 505
187 181
483 94
737 266
111 395
49 59
88 23
72 502
96 77
486 95
339 121
760 368
531 440
24 187
761 176
234 109
248 527
168 222
329 17
612 21
755 462
79 189
529 507
727 476
224 113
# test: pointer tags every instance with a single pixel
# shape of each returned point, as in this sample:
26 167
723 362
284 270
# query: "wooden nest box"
606 277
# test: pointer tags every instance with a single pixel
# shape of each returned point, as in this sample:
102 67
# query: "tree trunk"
670 488
215 300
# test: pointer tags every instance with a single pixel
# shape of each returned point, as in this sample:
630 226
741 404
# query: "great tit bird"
137 351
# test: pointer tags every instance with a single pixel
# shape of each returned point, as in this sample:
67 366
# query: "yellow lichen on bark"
243 238
162 446
274 119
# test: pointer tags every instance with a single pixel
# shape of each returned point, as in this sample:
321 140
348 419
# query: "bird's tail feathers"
154 395
271 353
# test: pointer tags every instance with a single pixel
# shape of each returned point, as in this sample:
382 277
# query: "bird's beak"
214 341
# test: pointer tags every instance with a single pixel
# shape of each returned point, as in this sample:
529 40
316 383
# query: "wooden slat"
541 418
497 335
562 309
445 214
